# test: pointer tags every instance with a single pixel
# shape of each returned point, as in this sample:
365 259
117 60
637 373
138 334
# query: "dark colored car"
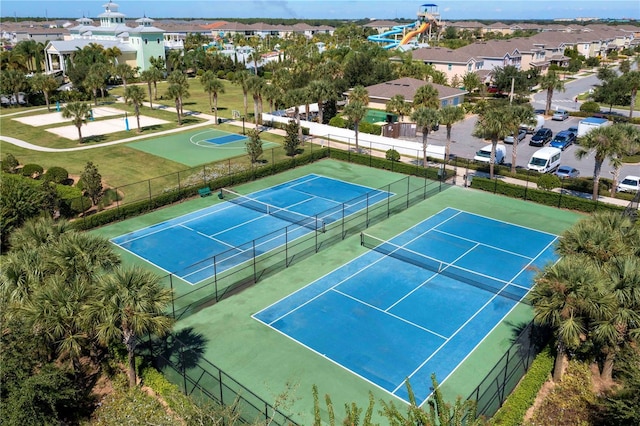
563 140
541 137
567 172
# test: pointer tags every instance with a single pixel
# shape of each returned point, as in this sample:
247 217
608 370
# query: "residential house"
380 94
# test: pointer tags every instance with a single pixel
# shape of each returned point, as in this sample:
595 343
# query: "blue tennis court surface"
222 140
386 319
198 245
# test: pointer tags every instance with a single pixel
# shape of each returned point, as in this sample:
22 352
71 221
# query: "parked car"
567 172
541 137
560 115
563 140
521 135
629 184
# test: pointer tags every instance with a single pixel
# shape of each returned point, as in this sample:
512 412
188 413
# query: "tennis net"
484 282
281 213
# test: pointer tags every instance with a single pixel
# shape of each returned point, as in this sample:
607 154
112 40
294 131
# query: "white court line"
482 244
492 329
208 236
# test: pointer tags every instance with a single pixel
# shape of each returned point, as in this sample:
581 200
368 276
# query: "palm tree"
135 96
492 125
178 90
356 111
130 302
273 95
321 91
241 78
470 81
79 113
398 105
212 85
13 81
112 54
155 74
632 79
45 84
295 97
449 115
255 85
94 81
605 142
425 118
550 82
56 313
426 96
147 77
621 325
629 144
566 297
126 72
360 94
517 115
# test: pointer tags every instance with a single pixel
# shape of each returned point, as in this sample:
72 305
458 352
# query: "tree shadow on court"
529 335
183 349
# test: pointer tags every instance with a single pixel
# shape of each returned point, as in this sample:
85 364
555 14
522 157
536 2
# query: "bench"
204 192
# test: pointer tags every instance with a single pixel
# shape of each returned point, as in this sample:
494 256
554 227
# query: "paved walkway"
210 120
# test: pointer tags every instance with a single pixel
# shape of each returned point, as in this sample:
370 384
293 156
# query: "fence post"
408 189
149 182
179 181
204 174
173 305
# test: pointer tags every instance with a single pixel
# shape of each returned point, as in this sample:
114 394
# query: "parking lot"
465 145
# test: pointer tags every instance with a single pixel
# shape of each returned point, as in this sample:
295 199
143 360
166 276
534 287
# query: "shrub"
570 401
372 129
56 174
9 163
339 122
590 107
80 205
32 170
548 181
392 155
515 407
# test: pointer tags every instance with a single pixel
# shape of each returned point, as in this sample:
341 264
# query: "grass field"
231 99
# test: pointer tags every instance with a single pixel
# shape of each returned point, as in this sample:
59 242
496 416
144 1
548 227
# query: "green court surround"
269 363
191 148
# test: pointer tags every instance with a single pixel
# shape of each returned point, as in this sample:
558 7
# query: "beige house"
450 62
380 94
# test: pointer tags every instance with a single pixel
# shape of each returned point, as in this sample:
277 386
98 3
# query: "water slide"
392 42
412 34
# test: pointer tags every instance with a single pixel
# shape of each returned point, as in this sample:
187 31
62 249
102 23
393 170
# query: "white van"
484 155
545 160
532 128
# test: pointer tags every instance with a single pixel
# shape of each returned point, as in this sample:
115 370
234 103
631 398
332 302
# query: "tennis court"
198 245
418 303
197 147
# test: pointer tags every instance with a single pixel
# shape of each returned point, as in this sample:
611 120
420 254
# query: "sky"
326 9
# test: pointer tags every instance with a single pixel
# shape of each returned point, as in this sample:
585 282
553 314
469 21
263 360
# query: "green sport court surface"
197 147
269 363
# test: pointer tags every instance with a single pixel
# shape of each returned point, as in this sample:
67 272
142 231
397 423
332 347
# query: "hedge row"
515 407
134 209
548 198
383 163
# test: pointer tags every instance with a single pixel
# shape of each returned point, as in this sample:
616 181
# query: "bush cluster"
32 170
515 407
554 199
56 175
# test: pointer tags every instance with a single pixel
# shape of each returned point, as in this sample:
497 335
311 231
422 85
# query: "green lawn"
119 164
231 99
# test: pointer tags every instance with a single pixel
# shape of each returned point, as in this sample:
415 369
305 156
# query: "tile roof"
407 87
